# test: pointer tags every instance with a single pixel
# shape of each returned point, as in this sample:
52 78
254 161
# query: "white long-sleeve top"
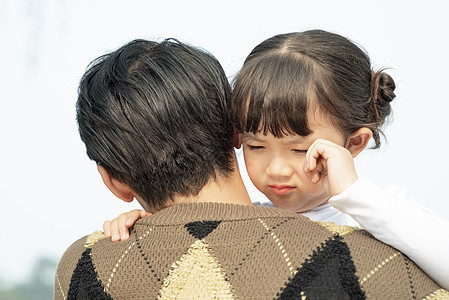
325 213
394 218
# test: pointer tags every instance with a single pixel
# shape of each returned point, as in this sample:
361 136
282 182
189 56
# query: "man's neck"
223 190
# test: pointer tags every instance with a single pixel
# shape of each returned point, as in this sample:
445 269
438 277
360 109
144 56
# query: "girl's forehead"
320 124
286 139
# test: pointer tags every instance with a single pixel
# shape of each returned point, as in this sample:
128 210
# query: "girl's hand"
118 228
330 164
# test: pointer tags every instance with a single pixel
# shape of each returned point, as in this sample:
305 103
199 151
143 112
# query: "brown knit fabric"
225 251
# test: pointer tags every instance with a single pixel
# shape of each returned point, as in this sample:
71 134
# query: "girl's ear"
359 140
119 189
237 140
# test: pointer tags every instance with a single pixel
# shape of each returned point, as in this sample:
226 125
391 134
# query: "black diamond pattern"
331 267
201 229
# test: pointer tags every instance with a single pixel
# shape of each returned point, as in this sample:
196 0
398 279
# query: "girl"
304 105
310 91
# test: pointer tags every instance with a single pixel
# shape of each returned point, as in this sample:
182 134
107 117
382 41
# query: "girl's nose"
279 167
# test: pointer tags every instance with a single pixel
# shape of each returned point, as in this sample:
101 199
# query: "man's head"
154 116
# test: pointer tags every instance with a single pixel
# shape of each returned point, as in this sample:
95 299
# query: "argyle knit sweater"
226 251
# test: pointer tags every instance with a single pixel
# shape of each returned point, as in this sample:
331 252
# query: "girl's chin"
289 206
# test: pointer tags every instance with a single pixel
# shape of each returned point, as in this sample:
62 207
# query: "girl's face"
276 165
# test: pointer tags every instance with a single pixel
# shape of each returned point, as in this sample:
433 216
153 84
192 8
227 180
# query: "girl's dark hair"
285 75
155 116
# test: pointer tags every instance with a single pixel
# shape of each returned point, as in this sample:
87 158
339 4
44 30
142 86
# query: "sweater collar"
210 211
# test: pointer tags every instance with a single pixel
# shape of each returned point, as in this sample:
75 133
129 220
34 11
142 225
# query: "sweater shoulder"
69 261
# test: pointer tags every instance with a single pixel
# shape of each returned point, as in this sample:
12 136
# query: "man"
154 117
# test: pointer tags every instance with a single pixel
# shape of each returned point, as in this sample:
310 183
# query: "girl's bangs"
277 97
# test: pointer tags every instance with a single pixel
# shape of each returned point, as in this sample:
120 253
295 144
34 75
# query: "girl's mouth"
281 189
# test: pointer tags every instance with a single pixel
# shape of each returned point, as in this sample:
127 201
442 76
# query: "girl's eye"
255 147
300 151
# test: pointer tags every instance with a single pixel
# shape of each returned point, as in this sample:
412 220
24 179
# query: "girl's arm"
118 228
393 218
396 219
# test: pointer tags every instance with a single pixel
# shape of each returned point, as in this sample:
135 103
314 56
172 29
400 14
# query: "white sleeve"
394 218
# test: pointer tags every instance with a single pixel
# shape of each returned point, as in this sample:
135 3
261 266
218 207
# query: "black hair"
287 74
155 116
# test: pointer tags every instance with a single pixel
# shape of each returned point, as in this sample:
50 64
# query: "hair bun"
382 93
382 87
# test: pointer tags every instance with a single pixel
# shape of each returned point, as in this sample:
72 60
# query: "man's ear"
119 189
359 140
237 140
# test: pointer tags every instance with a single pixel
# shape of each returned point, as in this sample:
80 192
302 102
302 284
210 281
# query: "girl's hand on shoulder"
330 164
118 228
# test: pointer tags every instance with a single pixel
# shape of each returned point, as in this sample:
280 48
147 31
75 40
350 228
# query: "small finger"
129 222
115 231
311 158
107 228
144 214
315 177
123 229
132 217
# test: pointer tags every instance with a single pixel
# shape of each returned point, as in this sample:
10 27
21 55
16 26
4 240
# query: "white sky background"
51 193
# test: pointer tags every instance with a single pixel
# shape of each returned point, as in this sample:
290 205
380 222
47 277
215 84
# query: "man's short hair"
155 116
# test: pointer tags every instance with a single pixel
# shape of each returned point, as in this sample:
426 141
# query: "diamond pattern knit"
226 251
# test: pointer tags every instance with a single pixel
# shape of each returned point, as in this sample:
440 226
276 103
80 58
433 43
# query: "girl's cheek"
250 158
252 167
255 164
